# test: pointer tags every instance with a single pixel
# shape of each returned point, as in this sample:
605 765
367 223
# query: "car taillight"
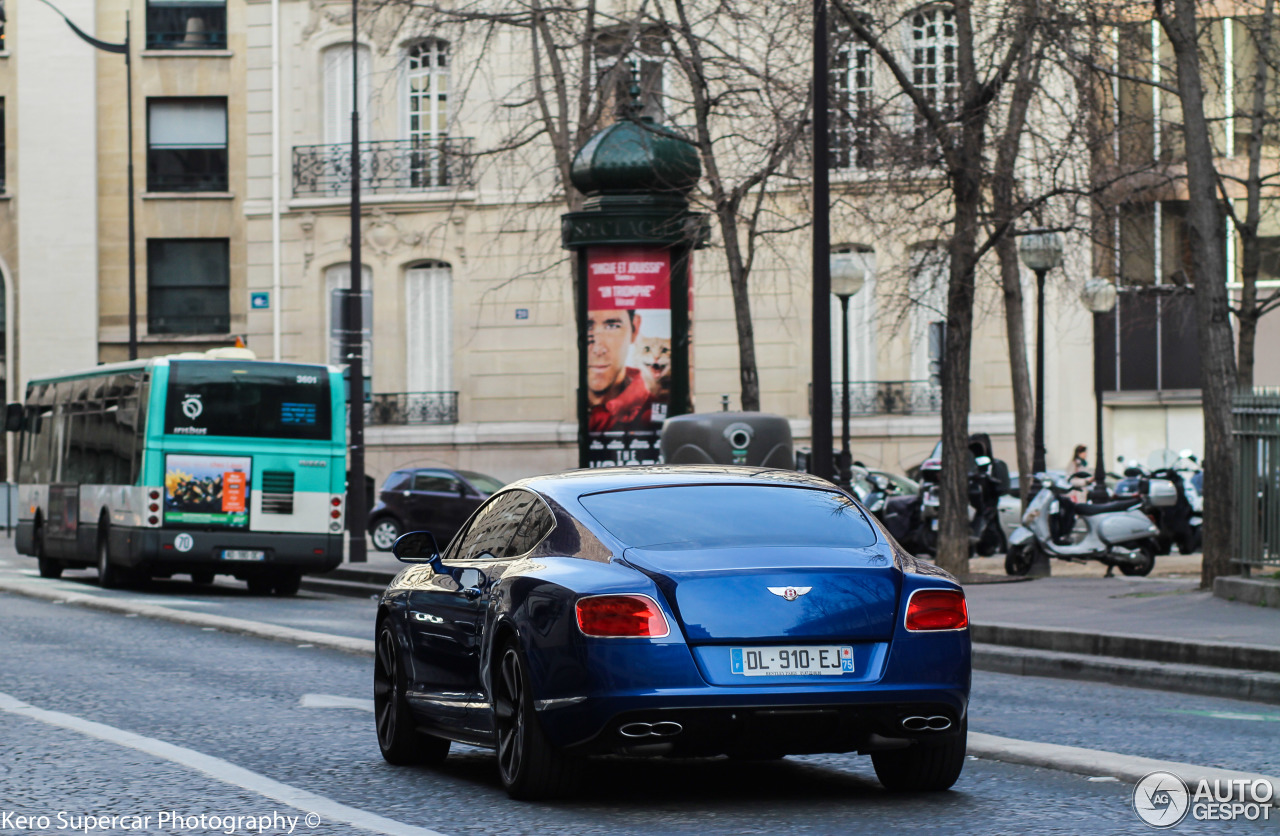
619 616
937 609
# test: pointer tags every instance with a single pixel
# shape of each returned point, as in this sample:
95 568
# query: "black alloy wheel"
1143 565
928 767
384 534
530 766
401 744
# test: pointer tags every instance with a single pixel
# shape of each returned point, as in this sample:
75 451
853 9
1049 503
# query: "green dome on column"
636 156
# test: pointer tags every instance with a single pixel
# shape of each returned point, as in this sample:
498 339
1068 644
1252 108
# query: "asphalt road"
297 718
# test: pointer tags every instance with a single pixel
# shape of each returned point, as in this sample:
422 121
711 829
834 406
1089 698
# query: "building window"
427 111
862 322
3 160
338 281
429 326
933 64
930 273
623 57
337 94
182 24
853 107
187 145
188 286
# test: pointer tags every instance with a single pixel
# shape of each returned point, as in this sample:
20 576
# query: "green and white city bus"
199 464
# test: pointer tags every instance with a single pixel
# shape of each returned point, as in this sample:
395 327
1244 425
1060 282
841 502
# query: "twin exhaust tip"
919 724
663 728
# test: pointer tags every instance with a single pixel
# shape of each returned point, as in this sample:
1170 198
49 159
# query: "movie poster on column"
628 353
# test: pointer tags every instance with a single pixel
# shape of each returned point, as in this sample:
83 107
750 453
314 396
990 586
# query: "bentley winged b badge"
790 593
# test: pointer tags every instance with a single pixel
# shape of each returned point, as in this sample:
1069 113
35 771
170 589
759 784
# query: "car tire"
1017 561
384 534
1144 566
286 582
931 768
401 744
531 767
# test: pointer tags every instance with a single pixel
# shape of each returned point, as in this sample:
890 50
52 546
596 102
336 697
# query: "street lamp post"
357 500
1099 296
1041 251
124 49
848 273
821 310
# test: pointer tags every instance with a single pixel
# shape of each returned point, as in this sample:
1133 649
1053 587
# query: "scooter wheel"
1143 566
1017 561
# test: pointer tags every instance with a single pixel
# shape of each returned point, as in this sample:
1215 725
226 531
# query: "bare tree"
958 119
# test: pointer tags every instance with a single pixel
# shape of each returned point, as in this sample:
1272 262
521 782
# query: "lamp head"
849 271
1099 295
1040 250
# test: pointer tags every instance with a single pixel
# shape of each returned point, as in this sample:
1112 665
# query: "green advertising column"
634 240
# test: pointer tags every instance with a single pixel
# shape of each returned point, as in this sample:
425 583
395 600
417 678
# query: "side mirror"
13 415
416 547
462 490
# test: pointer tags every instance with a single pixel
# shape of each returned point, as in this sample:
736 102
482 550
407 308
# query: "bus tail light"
154 494
153 520
335 512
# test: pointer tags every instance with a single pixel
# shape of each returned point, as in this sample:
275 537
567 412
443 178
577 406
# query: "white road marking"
332 701
219 770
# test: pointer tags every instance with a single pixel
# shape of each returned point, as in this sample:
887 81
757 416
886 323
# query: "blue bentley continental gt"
672 611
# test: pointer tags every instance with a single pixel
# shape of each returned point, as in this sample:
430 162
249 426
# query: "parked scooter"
1116 534
1170 498
914 522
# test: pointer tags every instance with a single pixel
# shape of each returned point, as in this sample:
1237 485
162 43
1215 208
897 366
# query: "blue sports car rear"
675 611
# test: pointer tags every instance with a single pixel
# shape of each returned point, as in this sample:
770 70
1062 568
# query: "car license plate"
829 660
243 554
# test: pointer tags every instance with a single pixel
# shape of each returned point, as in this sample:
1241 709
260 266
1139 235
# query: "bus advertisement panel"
207 490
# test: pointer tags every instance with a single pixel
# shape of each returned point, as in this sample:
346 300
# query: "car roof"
574 483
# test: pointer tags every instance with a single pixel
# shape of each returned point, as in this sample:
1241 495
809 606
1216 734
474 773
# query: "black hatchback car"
434 499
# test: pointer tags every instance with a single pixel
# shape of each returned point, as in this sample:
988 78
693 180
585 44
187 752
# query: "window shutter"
337 94
429 328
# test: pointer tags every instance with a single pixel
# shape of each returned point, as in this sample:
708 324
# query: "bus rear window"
253 399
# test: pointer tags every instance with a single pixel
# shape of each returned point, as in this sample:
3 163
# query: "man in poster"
616 393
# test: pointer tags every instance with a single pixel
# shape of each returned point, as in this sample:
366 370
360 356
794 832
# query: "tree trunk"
1206 243
747 374
1015 327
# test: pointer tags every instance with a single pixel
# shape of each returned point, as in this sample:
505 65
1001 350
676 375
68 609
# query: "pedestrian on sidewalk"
1078 460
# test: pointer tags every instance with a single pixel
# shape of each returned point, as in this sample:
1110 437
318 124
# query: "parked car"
683 611
433 498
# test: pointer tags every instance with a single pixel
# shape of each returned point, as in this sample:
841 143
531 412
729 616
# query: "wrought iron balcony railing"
885 397
395 408
387 166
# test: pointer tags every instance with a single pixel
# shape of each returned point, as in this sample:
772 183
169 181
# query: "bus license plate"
243 554
829 660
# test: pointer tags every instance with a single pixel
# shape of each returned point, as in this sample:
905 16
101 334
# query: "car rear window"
726 516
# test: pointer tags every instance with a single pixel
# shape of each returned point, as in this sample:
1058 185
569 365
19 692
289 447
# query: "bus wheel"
49 568
109 577
259 584
287 582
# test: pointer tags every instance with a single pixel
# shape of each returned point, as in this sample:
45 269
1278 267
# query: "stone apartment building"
241 115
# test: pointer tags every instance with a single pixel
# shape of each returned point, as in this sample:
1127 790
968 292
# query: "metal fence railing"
389 408
1256 418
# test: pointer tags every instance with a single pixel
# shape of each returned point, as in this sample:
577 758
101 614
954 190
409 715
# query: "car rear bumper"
761 724
159 550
